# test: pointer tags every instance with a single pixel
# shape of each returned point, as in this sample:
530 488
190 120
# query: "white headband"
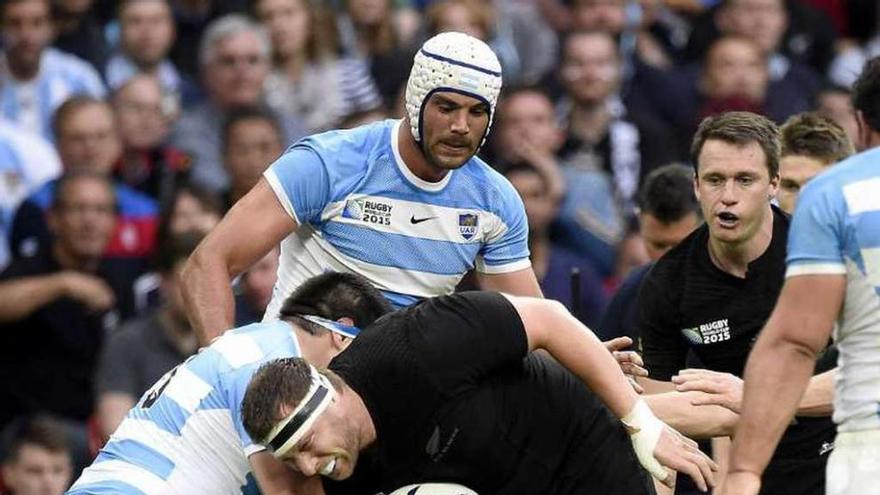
291 429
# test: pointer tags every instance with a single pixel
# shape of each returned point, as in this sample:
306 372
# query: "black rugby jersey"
688 303
455 397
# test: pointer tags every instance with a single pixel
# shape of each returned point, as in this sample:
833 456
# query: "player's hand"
88 289
679 453
740 483
720 389
629 361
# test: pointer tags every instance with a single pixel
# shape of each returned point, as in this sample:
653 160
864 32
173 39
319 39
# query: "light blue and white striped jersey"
836 230
31 104
361 210
185 435
26 162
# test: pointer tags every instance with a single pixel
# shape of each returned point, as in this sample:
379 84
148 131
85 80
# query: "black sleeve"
29 231
663 350
463 337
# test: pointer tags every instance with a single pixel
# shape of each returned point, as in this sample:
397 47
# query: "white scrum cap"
434 489
453 62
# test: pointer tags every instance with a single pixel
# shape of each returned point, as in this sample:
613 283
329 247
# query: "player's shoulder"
354 141
255 343
848 184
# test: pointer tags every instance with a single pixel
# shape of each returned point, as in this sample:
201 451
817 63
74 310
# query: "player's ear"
345 320
340 342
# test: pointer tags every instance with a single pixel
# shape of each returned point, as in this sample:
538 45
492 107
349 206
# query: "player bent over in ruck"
448 391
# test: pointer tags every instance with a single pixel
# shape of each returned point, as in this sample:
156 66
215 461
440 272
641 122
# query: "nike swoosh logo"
413 220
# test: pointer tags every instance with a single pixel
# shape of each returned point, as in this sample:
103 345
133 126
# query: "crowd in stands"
128 128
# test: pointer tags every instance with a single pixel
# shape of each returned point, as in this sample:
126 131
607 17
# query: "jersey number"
156 390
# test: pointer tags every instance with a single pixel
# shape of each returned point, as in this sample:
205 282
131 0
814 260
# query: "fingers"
635 385
702 399
701 385
618 343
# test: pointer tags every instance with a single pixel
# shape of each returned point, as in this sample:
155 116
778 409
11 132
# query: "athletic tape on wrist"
645 430
291 429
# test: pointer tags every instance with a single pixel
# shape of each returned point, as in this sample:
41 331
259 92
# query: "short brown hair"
276 384
739 129
41 431
816 136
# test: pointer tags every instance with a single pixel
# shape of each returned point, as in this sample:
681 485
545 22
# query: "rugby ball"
434 489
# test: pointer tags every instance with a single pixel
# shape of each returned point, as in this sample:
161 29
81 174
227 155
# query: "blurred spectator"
254 289
668 212
79 32
190 208
308 80
765 22
145 348
35 79
601 134
553 264
792 28
36 457
810 143
252 140
367 31
526 47
835 103
57 306
607 150
734 77
88 141
27 161
526 131
234 57
192 18
147 163
146 34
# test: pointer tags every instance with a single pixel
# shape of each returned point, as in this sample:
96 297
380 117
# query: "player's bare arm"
551 327
780 367
519 283
253 226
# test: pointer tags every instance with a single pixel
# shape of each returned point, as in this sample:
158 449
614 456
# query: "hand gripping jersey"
836 230
361 210
185 435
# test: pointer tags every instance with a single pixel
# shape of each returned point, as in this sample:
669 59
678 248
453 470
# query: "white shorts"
854 465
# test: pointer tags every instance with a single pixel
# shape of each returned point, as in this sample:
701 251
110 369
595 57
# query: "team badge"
354 208
467 225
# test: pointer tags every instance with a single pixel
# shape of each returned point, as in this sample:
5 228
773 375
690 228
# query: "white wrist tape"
644 433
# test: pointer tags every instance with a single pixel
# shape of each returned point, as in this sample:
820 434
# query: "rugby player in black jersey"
448 391
713 292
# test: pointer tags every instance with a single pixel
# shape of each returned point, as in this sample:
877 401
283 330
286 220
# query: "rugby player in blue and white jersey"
405 203
185 435
832 282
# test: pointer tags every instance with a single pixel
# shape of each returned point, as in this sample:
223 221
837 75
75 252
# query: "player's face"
794 172
453 126
329 448
734 188
660 237
38 471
